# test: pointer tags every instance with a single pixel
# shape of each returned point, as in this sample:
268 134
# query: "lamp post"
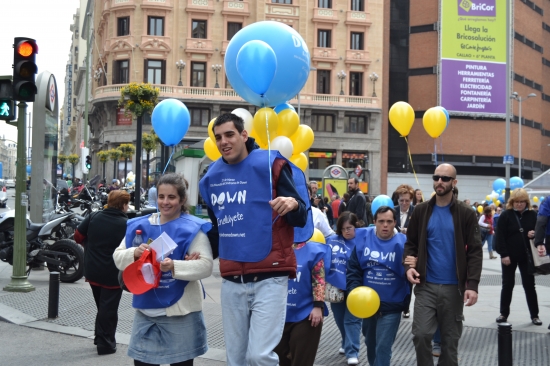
180 65
97 75
516 96
216 68
373 77
342 76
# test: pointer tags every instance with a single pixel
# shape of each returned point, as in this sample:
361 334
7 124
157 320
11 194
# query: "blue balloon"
170 121
499 184
256 64
516 182
501 198
541 198
293 62
380 201
283 106
28 169
446 115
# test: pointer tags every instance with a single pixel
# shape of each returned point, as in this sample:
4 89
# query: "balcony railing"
235 7
325 15
219 95
358 18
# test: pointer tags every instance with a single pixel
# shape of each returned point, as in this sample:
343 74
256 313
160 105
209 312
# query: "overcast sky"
48 22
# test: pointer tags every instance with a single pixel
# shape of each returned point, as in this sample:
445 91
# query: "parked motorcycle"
44 245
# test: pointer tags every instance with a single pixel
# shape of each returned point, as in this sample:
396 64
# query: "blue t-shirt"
441 247
544 210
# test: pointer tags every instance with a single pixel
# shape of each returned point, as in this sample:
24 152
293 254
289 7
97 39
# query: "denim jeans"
380 331
349 327
489 239
253 316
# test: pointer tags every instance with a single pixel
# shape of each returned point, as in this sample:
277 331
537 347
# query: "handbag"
542 264
333 294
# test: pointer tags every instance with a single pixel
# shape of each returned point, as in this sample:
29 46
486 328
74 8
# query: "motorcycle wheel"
69 273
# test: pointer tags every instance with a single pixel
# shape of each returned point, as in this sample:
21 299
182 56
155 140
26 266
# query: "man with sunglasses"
443 235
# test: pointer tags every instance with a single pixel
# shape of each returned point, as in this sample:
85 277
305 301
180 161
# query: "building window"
123 26
155 26
323 81
357 40
321 159
325 4
232 29
355 124
199 29
282 1
355 83
322 122
198 74
358 5
154 71
323 38
199 116
121 74
352 159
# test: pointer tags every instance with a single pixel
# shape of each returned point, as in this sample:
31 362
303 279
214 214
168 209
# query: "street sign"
336 172
358 170
508 159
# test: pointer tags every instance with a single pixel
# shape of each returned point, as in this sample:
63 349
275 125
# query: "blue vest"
182 230
381 264
300 291
337 263
239 195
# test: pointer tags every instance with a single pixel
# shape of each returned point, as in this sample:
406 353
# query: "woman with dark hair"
169 325
101 233
342 245
487 233
516 226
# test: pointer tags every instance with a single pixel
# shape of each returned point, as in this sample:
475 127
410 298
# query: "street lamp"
216 68
373 77
97 74
516 96
180 65
342 76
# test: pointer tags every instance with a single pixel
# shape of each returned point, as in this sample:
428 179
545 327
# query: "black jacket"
510 242
398 224
104 231
357 205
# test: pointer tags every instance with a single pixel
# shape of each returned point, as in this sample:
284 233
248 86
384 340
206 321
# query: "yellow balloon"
363 302
318 237
263 116
211 150
210 132
402 117
535 199
487 198
300 160
302 139
480 209
497 202
289 121
435 122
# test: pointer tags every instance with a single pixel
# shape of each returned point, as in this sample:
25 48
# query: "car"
10 183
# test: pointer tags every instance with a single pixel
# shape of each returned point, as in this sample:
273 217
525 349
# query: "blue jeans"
437 336
253 316
349 327
380 331
490 242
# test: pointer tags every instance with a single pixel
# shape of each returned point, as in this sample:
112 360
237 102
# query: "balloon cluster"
537 199
282 130
435 119
130 179
499 189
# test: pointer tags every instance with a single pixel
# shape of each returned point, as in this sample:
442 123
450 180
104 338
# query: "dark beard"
446 191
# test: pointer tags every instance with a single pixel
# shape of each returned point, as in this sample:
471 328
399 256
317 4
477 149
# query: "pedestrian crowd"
276 284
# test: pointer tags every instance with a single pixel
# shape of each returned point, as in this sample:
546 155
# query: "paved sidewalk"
28 311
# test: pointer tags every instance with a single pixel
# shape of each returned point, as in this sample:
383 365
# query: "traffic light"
7 105
24 69
85 154
88 162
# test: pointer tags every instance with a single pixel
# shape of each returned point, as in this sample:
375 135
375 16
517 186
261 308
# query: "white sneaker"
341 351
353 361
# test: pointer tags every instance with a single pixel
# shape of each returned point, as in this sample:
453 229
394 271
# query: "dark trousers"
508 283
183 363
107 301
298 345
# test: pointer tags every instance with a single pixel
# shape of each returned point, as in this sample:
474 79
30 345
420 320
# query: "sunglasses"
444 178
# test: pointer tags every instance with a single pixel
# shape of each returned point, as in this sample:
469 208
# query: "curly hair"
405 189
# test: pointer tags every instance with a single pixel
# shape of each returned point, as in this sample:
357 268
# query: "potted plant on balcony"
137 99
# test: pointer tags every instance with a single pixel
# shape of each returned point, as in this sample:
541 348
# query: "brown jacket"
468 248
281 258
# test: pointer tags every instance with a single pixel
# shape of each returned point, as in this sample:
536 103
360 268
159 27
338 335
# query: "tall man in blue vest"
444 235
254 206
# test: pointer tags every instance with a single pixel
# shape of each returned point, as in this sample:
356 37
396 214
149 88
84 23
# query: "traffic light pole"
88 15
19 282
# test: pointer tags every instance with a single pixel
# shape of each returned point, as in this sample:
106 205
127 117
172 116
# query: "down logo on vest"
337 261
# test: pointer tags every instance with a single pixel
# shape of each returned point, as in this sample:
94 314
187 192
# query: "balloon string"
269 155
435 151
158 213
410 158
441 149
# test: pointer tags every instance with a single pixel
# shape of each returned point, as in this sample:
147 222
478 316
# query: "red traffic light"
24 69
25 49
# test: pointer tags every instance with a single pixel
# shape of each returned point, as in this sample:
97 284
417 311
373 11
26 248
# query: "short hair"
534 206
229 117
384 209
518 194
355 180
117 199
309 190
178 182
405 189
346 196
346 216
